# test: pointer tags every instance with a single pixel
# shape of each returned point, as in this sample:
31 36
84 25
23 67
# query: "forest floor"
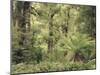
47 66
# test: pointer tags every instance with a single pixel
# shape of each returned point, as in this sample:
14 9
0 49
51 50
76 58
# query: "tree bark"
50 38
23 17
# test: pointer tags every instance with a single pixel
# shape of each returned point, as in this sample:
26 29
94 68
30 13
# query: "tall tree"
23 10
21 29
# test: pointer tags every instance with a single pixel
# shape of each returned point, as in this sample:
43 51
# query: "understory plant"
80 47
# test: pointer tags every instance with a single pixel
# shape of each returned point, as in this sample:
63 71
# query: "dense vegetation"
52 37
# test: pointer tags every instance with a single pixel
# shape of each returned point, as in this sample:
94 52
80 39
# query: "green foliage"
52 37
51 66
81 45
87 20
37 55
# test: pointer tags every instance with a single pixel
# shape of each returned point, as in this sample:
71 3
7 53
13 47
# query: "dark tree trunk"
23 17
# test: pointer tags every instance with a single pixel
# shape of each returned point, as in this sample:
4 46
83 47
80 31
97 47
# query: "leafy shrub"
80 46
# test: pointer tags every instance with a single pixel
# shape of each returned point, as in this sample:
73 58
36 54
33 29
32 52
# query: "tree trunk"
51 35
23 18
